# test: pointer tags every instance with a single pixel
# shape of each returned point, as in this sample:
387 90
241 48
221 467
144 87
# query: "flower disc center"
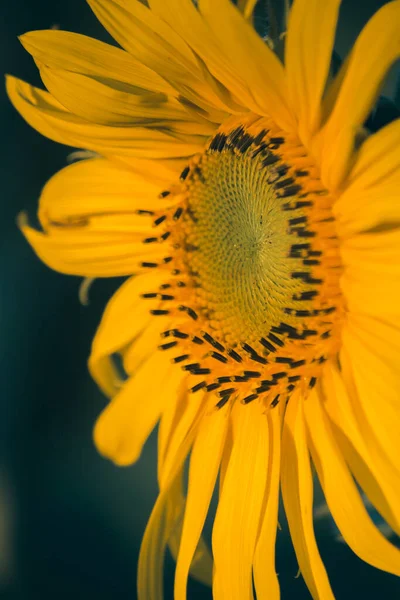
240 234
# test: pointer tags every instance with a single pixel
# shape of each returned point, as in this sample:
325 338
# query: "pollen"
252 267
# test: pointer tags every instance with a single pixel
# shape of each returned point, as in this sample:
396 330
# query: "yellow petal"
239 511
375 399
297 493
186 417
376 49
341 494
181 13
377 208
81 54
265 577
105 103
97 186
127 421
370 281
146 342
255 64
202 563
308 49
106 246
51 119
247 7
124 318
377 478
160 172
145 36
372 254
378 161
155 43
204 464
159 527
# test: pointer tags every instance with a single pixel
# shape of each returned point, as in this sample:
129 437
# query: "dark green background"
71 522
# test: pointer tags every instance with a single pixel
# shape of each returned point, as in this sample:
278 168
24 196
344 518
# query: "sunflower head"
256 219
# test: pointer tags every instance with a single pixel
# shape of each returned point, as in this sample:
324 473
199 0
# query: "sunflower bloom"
257 222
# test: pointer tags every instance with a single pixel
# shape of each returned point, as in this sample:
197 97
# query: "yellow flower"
260 323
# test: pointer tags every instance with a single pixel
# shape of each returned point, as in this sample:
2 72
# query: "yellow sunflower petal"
377 478
163 520
81 54
247 7
127 421
373 209
308 49
97 186
186 416
106 246
239 512
202 563
370 279
145 343
125 317
265 577
297 493
177 13
159 527
264 75
378 160
375 400
204 464
342 496
105 103
375 50
155 43
146 37
51 119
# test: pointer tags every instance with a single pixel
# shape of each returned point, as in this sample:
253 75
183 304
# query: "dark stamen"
149 265
198 386
189 311
218 356
184 173
298 363
274 401
213 386
275 339
221 403
249 399
251 374
191 367
201 371
159 220
177 213
179 334
181 358
235 356
228 391
267 345
212 341
167 346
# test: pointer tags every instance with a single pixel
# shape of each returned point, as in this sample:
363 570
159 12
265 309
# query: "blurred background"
71 522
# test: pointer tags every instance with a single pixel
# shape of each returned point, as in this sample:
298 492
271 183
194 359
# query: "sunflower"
257 222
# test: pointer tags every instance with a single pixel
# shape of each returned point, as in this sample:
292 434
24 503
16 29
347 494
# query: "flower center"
255 265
